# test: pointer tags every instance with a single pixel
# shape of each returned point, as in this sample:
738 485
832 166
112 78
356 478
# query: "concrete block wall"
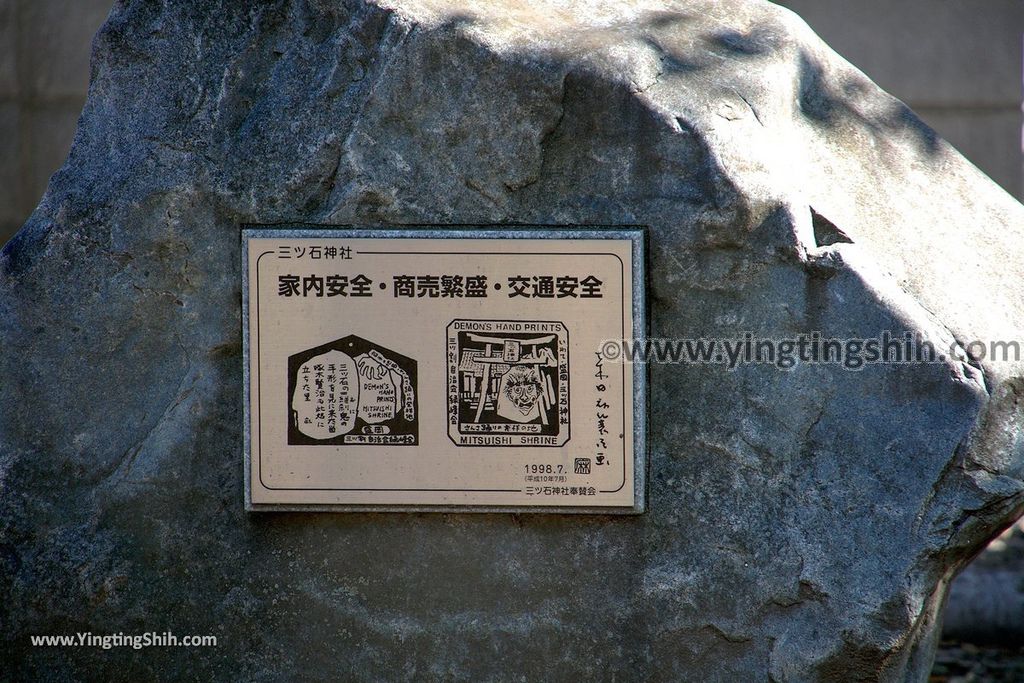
44 76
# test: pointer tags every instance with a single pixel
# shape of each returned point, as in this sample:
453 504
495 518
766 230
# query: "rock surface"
802 525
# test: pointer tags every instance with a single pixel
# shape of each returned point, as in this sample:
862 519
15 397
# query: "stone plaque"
425 368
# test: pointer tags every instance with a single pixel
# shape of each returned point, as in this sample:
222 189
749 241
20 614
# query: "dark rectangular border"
637 235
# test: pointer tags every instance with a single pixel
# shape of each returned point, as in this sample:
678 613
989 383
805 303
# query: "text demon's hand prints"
397 370
508 383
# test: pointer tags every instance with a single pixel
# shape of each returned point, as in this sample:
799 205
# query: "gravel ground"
966 663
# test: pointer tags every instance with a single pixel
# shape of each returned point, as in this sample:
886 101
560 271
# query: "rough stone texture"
987 137
803 525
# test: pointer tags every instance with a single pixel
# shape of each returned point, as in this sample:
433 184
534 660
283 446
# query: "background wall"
957 63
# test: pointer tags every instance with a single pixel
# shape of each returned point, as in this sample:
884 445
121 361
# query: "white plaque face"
445 369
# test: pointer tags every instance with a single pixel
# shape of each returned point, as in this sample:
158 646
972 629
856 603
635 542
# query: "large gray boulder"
802 525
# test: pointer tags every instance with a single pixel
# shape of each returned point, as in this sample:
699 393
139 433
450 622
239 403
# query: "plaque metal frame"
636 234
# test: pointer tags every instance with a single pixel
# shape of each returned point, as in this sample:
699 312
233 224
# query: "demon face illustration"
521 389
